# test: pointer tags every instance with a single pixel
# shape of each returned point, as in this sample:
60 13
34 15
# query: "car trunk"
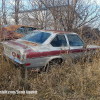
13 51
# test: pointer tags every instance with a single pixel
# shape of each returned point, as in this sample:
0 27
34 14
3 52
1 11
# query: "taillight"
14 54
18 56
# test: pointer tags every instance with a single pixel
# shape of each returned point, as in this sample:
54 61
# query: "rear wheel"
51 64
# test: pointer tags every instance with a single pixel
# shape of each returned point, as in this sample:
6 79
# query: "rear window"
24 30
37 37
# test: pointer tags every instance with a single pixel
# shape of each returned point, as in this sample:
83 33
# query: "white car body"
36 55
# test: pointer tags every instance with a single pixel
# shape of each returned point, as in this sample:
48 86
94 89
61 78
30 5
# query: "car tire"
51 64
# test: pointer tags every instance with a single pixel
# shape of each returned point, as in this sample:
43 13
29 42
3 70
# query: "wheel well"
57 59
52 59
50 62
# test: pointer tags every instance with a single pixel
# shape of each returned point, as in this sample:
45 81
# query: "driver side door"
76 46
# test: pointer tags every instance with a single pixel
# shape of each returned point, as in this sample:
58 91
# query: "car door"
60 45
76 46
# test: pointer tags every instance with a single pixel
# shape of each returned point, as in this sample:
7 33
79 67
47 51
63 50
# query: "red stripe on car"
52 53
43 54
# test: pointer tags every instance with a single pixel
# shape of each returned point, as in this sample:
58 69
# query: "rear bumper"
14 61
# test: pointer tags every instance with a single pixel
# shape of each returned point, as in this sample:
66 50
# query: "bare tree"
16 11
72 13
60 14
37 13
16 6
4 12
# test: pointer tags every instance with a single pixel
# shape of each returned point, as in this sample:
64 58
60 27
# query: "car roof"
14 27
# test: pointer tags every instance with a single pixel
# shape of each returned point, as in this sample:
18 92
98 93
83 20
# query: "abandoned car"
15 31
40 47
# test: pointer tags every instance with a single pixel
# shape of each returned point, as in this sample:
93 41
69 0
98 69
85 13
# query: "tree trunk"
4 12
17 11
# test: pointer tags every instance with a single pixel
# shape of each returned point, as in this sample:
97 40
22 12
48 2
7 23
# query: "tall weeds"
71 81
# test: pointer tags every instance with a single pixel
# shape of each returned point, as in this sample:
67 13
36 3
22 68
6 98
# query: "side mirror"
85 45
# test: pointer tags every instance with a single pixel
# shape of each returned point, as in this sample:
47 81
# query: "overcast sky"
98 2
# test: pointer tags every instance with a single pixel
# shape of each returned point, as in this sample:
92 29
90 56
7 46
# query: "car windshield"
37 37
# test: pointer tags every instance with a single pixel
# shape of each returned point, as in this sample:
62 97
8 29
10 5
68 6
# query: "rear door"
60 45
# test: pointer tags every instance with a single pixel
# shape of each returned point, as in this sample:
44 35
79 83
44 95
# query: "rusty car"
15 31
41 47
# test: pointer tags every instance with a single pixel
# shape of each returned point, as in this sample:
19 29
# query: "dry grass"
71 81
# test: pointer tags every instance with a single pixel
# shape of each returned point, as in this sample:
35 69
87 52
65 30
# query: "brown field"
71 81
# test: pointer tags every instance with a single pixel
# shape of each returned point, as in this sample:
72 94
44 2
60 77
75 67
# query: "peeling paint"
29 43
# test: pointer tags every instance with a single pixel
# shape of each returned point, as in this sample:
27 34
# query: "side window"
74 40
31 28
59 41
